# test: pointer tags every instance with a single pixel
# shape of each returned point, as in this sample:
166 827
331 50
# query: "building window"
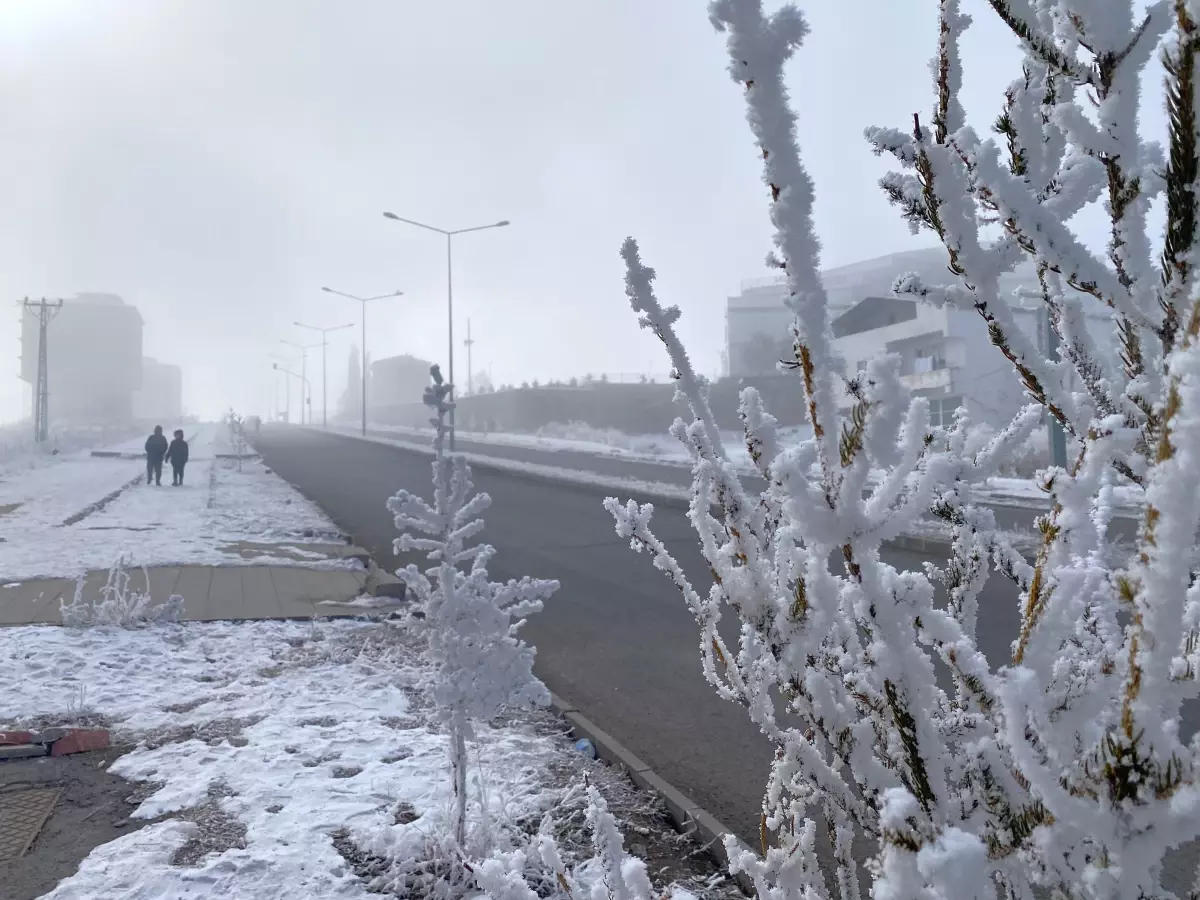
942 409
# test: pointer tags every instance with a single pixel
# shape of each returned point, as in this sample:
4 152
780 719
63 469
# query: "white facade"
756 328
946 354
757 321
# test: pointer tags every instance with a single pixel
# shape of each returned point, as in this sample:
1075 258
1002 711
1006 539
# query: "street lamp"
303 348
324 380
364 301
303 386
287 385
449 290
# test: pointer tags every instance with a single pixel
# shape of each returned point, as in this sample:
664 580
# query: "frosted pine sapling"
480 664
1066 769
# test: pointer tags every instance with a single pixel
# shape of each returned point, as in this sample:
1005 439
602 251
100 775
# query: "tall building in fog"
94 359
396 381
160 398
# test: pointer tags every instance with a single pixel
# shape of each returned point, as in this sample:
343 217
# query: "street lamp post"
364 301
287 385
303 348
304 385
449 290
469 343
324 379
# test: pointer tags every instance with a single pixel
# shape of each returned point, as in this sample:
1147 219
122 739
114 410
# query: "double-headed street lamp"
303 386
303 348
287 383
449 290
364 301
324 379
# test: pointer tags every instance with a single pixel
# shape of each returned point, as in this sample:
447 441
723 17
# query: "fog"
215 163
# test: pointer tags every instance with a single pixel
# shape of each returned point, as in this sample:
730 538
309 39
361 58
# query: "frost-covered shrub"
119 603
236 424
610 874
480 664
1068 770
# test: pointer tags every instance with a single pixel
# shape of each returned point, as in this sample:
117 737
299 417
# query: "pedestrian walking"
177 456
156 449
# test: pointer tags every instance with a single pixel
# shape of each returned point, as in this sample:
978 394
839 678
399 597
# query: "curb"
688 816
78 517
662 494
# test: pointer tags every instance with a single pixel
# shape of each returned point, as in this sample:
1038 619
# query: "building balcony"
938 379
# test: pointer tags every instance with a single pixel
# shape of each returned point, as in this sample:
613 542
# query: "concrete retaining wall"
630 408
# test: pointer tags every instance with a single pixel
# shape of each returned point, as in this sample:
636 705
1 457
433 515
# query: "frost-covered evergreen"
1065 769
481 666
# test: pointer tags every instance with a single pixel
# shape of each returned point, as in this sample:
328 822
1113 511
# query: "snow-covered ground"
54 520
277 751
19 452
663 449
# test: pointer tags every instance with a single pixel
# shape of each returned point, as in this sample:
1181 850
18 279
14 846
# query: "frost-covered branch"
1066 770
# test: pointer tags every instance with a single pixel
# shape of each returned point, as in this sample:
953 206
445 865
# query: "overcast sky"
215 162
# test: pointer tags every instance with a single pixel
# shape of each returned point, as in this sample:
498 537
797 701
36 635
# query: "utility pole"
46 310
469 343
1058 439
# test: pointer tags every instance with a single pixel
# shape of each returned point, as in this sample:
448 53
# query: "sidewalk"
235 541
82 514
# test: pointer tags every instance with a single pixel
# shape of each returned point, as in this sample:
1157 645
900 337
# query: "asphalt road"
617 640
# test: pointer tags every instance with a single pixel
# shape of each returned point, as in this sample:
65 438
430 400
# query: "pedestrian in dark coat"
156 449
177 456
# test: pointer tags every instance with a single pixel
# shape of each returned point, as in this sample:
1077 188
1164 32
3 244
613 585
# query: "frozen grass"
119 603
284 760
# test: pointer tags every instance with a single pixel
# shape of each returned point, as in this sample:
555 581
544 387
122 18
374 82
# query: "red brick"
16 737
80 740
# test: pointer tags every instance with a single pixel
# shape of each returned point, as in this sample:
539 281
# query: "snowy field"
278 759
82 512
665 450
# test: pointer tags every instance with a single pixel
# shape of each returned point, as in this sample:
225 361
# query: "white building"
946 353
756 328
757 321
